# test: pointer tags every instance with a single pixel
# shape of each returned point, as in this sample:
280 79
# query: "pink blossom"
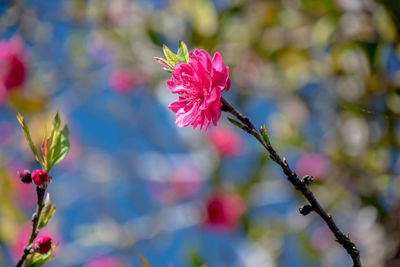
199 84
313 164
224 210
225 141
123 81
183 183
12 64
105 261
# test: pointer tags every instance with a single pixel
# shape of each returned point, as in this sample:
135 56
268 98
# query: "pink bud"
42 244
39 177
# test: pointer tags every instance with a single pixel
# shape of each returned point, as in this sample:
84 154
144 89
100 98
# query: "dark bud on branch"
25 176
305 210
308 179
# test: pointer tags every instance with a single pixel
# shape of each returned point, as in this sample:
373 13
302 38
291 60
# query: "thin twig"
300 184
40 190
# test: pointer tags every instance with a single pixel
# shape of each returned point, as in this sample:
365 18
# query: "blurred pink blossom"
314 164
104 261
123 81
225 141
182 184
199 84
12 64
224 210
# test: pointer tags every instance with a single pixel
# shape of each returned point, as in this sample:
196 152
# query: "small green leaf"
183 53
37 259
61 146
144 262
28 138
235 122
171 57
264 134
164 63
50 141
47 212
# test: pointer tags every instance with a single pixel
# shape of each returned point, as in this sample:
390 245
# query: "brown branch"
40 190
300 184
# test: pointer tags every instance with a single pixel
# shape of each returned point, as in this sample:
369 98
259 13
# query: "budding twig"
300 184
40 190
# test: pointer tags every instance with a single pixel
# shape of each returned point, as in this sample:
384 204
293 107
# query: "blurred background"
323 75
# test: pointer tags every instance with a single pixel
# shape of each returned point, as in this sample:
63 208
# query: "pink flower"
42 244
12 64
225 141
39 177
199 84
313 164
224 210
122 81
105 261
182 183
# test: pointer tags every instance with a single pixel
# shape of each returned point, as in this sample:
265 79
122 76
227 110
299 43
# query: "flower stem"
300 185
40 190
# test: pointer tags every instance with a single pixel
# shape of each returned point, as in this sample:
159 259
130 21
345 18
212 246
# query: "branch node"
308 179
305 210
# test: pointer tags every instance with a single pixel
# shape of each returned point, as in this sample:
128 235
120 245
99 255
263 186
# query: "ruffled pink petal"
227 86
177 104
220 78
185 117
217 64
173 87
203 58
213 95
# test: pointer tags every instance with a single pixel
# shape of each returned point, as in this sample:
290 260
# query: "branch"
40 190
300 184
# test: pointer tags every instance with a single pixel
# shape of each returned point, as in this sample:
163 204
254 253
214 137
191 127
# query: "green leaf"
144 262
183 53
50 142
61 146
264 134
47 212
235 122
28 138
37 259
171 57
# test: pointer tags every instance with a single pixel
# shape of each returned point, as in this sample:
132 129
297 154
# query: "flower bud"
25 176
39 177
42 244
